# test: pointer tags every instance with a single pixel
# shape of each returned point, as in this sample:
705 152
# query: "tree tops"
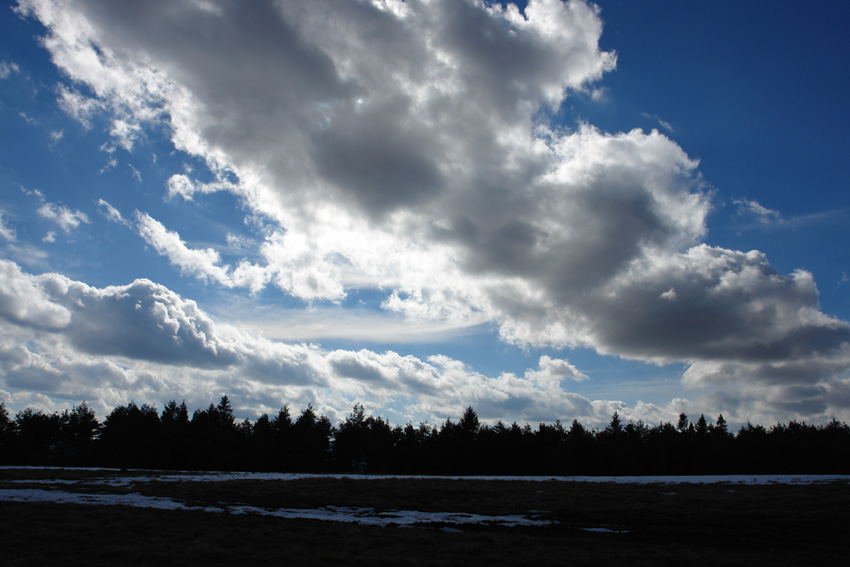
141 437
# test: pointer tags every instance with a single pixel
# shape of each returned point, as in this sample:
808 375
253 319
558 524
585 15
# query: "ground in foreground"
591 524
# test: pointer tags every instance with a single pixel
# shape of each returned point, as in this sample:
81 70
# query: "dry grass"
699 524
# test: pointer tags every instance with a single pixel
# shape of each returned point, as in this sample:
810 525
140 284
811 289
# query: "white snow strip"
372 517
691 479
59 497
365 516
50 468
215 476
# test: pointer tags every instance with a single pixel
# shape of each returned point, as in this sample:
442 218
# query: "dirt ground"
650 524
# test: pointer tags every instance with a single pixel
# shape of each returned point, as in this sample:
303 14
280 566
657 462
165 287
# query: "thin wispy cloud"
337 323
841 281
56 136
764 215
661 122
112 163
111 213
6 232
136 173
7 68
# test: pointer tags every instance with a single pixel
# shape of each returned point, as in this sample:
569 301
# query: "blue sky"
552 213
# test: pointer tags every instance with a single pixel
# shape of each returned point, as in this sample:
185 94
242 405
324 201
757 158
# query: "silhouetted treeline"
135 436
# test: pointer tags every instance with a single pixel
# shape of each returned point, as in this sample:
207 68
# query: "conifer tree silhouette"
137 436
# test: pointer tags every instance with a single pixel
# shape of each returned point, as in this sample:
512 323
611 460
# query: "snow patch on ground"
60 497
214 476
365 516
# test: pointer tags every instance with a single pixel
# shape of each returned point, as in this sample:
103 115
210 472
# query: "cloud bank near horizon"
144 340
409 148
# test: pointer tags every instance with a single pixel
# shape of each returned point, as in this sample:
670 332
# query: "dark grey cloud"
379 159
231 53
279 364
716 304
505 64
141 320
31 378
353 368
531 407
372 105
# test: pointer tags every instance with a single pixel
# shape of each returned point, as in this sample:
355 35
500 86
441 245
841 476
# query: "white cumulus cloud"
70 340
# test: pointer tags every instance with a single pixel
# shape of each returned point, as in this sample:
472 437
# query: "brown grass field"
663 524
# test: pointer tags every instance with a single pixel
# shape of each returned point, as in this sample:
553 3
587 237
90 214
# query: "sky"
546 211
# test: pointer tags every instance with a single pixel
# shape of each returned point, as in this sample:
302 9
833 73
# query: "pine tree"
79 430
469 423
6 424
720 427
577 430
130 436
616 425
282 424
702 426
175 416
38 434
7 435
351 440
224 411
682 425
311 437
175 434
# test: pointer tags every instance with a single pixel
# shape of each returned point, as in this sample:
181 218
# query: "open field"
144 518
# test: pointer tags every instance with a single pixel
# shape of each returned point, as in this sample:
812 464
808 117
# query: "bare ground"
653 524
